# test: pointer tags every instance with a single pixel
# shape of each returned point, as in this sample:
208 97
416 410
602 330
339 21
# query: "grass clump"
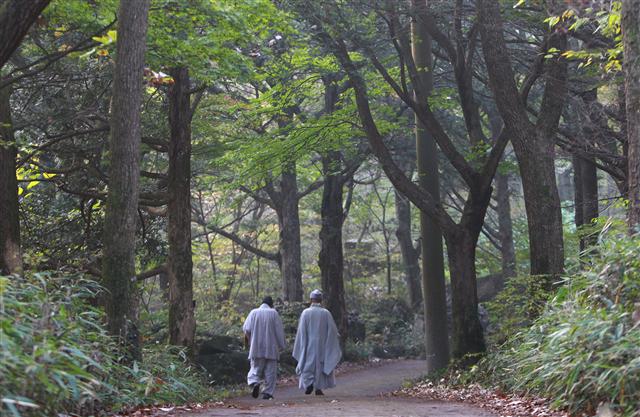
56 356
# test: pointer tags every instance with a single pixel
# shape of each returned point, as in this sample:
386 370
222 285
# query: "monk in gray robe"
264 331
317 347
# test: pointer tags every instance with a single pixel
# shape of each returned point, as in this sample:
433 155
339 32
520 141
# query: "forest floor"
361 392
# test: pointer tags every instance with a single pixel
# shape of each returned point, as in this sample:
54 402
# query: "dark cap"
268 301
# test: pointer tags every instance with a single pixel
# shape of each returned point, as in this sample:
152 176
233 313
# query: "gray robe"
264 328
317 348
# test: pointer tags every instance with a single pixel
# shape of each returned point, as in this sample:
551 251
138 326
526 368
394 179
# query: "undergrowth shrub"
585 347
520 302
57 358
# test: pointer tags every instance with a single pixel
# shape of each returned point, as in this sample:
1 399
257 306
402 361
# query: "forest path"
358 393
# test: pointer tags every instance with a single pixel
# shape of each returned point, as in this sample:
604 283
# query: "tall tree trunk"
589 172
433 283
533 143
468 336
10 252
631 43
505 226
16 17
410 257
331 259
182 325
122 200
289 244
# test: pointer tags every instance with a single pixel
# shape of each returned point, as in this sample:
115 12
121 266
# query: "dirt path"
358 394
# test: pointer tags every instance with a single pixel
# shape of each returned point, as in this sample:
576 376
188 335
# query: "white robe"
317 348
264 328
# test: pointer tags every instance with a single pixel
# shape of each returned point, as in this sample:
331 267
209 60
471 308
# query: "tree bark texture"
16 17
10 251
122 200
533 143
631 64
410 256
182 325
433 281
289 243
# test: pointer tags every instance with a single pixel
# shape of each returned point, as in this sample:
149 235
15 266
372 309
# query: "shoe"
256 390
267 397
309 389
319 392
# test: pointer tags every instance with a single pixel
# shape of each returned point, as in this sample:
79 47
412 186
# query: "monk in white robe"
265 333
317 347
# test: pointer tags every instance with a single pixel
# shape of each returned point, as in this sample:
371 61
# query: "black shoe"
267 397
309 389
256 390
319 392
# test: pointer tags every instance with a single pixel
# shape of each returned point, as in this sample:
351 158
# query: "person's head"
316 296
268 301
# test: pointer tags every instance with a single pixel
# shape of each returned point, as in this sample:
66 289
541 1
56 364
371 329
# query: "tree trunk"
331 259
533 144
468 336
122 200
289 244
578 197
182 325
631 43
503 202
433 282
16 17
590 210
505 226
410 258
10 252
542 204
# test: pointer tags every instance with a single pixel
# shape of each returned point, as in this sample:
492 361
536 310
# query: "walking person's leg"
255 376
270 378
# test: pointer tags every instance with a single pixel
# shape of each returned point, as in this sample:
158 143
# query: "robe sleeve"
248 323
332 351
299 346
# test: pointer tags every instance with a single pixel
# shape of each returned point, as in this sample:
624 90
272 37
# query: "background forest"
461 178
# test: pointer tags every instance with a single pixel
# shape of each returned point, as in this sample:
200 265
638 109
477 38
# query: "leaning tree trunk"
182 325
410 257
10 252
433 282
289 244
122 201
16 17
631 44
331 259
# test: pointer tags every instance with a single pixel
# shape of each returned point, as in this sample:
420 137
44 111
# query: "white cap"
316 295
